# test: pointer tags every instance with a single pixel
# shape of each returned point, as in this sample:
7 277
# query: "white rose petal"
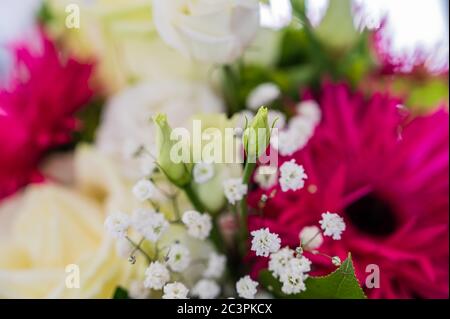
210 31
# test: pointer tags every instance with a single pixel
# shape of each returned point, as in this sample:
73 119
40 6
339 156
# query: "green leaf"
340 284
120 293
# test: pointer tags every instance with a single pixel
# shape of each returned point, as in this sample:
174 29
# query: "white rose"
215 31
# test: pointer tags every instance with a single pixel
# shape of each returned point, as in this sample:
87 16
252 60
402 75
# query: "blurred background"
411 24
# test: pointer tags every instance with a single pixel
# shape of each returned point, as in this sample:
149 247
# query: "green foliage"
341 284
120 293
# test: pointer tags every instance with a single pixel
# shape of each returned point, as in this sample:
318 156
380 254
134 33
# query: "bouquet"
184 149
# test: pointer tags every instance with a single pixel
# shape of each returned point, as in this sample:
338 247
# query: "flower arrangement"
226 160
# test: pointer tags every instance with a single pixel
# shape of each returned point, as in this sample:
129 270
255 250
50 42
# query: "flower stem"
137 247
248 171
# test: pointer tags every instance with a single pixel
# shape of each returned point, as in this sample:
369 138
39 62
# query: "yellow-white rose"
51 227
120 35
216 31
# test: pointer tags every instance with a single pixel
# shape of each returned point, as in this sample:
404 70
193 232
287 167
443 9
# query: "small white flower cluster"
291 269
292 176
246 287
149 223
264 242
311 238
266 176
198 225
300 129
207 288
175 258
117 225
262 95
157 274
203 172
333 225
146 222
234 190
144 190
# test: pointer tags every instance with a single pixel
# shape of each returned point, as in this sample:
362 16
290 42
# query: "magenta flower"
37 109
386 173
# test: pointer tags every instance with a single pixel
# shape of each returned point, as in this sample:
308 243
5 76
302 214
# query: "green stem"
193 198
137 247
248 171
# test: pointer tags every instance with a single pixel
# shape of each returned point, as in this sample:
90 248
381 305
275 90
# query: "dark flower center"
372 215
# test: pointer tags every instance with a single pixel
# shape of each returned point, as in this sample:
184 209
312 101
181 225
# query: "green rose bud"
256 136
178 172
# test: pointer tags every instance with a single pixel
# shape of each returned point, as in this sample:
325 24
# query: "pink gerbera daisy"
386 174
37 109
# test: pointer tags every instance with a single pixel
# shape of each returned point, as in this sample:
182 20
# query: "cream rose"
120 35
50 227
216 31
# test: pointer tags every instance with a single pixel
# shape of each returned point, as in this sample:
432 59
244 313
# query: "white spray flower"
156 276
333 225
292 176
263 95
203 172
178 257
149 223
310 110
288 141
299 264
311 237
198 225
117 225
206 289
144 190
234 190
175 290
264 242
246 287
266 176
293 283
216 266
279 261
336 261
